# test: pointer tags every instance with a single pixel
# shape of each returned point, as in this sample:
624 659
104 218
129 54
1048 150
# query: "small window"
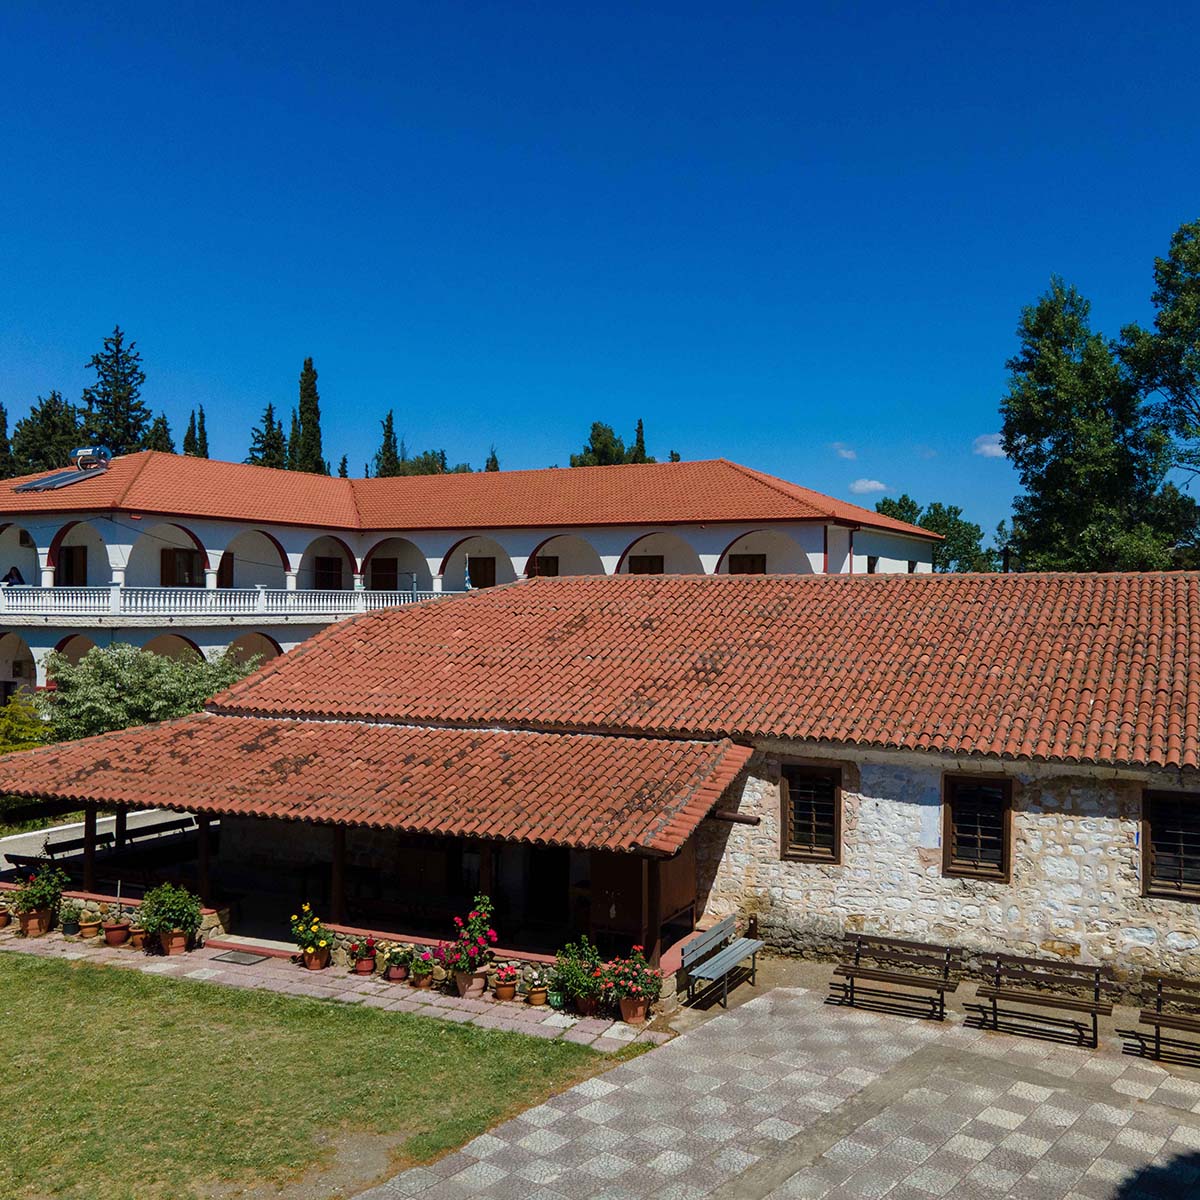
645 564
747 564
872 564
181 568
812 813
327 573
481 572
25 539
71 567
385 574
975 827
912 566
546 565
1171 845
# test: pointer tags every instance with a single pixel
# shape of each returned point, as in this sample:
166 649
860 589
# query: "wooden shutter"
812 812
385 574
1171 844
976 828
482 571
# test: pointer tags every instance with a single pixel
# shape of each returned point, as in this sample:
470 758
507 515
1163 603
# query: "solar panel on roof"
61 480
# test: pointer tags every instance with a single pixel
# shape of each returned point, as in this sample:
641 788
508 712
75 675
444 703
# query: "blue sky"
786 234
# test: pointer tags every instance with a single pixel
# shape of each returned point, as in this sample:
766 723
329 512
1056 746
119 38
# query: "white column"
210 578
437 583
47 577
358 582
118 576
289 580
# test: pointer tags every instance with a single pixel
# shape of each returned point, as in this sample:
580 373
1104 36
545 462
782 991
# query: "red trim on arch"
391 537
333 537
63 643
283 558
642 537
181 637
57 541
725 552
266 637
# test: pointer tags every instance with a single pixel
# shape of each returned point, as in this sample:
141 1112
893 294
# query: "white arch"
570 554
253 558
677 554
454 573
144 567
780 552
18 671
395 564
17 549
327 546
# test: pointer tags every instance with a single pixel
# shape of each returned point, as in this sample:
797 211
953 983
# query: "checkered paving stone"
281 975
852 1106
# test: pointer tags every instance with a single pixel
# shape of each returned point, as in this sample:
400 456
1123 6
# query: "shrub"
307 931
422 963
396 956
476 937
631 978
41 889
167 907
578 971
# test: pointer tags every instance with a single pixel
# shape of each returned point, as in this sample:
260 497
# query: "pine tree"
189 437
268 446
45 438
387 459
201 436
309 455
344 468
8 466
638 453
159 435
115 415
293 444
493 463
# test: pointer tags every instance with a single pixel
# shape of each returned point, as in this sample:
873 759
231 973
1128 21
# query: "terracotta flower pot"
70 927
89 929
5 917
471 984
633 1010
34 924
506 991
116 933
174 942
316 960
395 973
137 937
364 966
588 1006
537 997
422 981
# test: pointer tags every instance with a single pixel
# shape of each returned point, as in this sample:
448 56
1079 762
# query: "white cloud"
844 451
863 487
926 452
987 445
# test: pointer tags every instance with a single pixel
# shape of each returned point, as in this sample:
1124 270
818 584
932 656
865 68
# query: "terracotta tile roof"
576 790
1059 668
647 494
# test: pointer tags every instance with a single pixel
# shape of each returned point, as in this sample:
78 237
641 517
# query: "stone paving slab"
283 976
787 1098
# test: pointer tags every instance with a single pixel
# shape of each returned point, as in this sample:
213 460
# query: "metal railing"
198 602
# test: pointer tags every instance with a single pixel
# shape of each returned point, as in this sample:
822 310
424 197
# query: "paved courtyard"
786 1098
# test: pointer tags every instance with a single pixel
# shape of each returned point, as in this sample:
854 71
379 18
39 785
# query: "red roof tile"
564 790
643 494
1060 668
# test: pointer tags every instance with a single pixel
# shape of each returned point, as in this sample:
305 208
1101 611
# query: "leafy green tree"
22 726
114 413
8 464
195 441
114 687
492 463
962 547
159 435
344 468
45 438
1091 458
387 458
268 445
309 454
605 449
293 443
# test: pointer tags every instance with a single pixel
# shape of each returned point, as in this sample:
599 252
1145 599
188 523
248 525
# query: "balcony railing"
197 602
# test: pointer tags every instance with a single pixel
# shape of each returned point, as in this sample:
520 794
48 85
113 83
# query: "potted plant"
116 928
420 970
36 899
68 917
634 984
172 914
578 974
312 939
538 987
89 925
506 981
467 956
5 916
137 932
396 962
363 955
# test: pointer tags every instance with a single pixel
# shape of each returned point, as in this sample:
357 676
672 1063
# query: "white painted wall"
255 561
454 577
785 552
893 550
144 567
409 559
13 554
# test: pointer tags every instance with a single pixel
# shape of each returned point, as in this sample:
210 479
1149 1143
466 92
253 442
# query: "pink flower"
492 935
426 956
458 921
472 915
472 951
481 940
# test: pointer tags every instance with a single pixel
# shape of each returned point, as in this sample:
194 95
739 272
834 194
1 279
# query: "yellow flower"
305 908
322 942
309 950
294 917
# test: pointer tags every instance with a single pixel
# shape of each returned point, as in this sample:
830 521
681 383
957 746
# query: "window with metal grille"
1171 844
812 812
747 564
975 834
645 564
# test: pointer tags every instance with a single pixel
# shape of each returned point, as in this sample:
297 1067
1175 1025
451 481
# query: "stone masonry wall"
1076 869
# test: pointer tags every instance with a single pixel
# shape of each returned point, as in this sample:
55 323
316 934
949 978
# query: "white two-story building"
187 555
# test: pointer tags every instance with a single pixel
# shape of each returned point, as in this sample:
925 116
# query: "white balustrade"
69 602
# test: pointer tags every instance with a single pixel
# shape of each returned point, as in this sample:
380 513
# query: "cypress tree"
115 415
638 453
387 459
8 466
201 436
293 444
309 454
159 436
344 468
493 463
189 436
268 446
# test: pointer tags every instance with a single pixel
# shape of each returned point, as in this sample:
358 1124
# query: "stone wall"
1075 890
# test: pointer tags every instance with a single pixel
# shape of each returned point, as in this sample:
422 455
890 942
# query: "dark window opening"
976 823
645 564
327 573
181 568
71 567
812 812
872 564
912 566
1171 844
747 564
225 570
546 565
385 575
481 572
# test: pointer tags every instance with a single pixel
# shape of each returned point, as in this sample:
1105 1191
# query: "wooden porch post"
120 829
652 910
337 876
203 858
89 848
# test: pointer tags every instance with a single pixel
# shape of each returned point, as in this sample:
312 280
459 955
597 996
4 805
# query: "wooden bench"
1047 983
715 955
75 845
1174 1004
929 972
177 825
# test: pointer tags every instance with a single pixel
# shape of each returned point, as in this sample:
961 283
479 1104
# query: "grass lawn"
121 1085
8 826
